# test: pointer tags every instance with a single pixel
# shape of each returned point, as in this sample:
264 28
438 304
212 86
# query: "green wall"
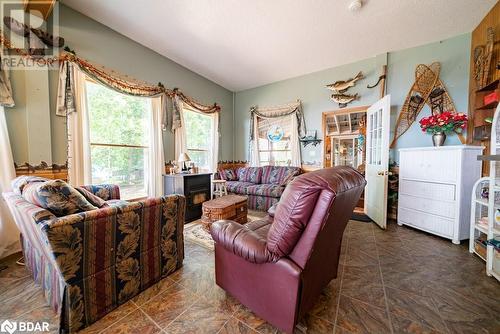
453 54
105 46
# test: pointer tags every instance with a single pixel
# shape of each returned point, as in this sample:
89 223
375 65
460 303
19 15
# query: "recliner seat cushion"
268 190
292 214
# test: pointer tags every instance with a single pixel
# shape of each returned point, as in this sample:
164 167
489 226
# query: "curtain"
215 142
178 127
5 87
295 143
254 143
156 156
79 164
298 129
9 234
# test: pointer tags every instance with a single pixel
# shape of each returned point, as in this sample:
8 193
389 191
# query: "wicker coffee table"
231 207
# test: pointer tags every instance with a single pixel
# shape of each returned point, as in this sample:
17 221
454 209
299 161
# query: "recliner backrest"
323 234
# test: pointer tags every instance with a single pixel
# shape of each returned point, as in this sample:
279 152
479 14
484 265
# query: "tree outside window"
119 139
199 137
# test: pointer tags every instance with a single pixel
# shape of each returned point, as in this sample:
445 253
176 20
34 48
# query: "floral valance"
277 112
125 85
110 78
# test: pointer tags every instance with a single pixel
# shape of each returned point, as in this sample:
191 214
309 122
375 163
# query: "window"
200 131
119 128
274 142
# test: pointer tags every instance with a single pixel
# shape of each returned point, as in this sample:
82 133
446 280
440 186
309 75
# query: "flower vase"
438 139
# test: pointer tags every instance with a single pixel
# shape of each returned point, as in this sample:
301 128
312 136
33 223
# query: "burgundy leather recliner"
279 265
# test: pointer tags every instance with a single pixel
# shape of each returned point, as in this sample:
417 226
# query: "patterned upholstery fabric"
57 196
279 175
89 263
228 175
261 203
250 174
238 187
93 199
269 190
62 199
265 193
104 191
20 182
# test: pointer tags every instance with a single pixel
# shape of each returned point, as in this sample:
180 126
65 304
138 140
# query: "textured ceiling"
244 44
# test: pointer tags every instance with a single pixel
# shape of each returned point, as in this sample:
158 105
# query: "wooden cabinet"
195 187
435 189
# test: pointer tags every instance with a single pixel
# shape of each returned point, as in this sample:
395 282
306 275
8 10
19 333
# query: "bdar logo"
8 326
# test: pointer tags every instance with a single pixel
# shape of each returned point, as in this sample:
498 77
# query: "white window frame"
113 145
210 150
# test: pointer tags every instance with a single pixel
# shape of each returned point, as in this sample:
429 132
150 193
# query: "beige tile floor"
395 281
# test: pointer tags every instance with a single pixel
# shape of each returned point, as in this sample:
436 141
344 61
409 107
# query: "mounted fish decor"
344 99
340 87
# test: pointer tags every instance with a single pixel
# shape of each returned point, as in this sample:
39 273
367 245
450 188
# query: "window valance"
110 78
123 84
279 111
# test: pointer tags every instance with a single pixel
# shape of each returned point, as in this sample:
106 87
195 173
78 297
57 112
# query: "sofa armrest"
241 241
86 243
104 191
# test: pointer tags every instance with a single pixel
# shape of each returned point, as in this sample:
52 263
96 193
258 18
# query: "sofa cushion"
268 190
56 196
292 214
228 174
238 187
250 174
280 175
93 199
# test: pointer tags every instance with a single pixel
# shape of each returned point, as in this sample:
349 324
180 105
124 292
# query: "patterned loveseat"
262 185
89 262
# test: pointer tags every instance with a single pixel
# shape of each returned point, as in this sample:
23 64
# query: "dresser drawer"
426 222
441 166
432 206
430 190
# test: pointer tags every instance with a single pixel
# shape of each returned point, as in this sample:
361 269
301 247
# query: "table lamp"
183 158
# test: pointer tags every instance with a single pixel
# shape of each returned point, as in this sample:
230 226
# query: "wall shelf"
491 105
487 209
491 86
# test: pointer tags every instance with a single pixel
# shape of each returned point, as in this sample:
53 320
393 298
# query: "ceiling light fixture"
355 5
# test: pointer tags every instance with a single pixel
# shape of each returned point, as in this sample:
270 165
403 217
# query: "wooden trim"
118 145
48 173
44 7
326 137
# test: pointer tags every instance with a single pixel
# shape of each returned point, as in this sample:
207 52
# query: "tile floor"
394 281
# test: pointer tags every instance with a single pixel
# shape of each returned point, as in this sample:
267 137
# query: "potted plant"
439 125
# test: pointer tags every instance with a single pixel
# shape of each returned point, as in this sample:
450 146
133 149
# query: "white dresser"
435 185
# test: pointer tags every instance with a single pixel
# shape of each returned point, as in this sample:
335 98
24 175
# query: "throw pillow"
228 175
93 199
22 181
59 198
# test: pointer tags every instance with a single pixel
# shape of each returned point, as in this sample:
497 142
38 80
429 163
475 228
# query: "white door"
377 160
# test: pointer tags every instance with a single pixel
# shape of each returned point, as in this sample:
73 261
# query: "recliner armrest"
241 241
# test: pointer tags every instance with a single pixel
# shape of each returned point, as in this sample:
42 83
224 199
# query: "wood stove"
195 187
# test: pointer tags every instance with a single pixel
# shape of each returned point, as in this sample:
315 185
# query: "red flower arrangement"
446 122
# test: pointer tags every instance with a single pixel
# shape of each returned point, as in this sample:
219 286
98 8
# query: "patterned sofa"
89 262
262 185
